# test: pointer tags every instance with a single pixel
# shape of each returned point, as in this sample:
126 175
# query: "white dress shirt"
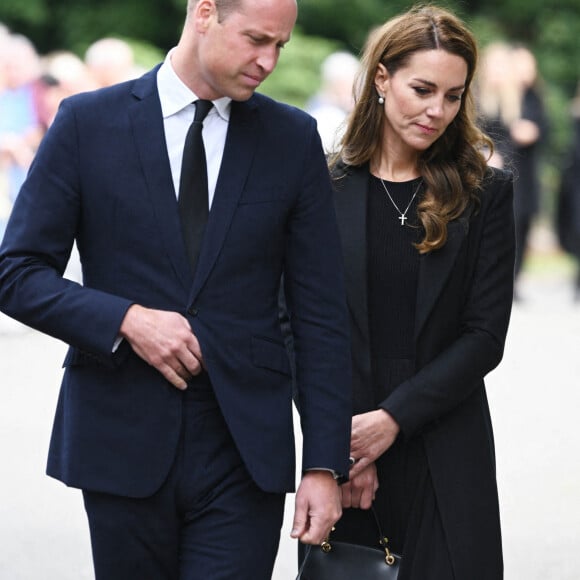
178 110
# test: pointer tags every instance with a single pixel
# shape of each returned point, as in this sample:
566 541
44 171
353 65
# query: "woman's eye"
422 91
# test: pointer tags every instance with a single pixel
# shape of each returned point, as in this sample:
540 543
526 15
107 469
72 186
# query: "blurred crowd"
511 104
510 98
31 88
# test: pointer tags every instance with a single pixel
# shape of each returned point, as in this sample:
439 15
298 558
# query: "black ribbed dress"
405 501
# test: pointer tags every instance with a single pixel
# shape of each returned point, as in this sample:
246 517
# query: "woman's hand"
359 491
372 434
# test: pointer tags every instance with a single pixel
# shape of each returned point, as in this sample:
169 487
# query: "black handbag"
345 561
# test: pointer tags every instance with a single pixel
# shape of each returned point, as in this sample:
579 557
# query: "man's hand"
164 340
317 507
359 491
372 434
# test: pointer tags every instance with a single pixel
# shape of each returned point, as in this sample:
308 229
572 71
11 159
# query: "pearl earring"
381 100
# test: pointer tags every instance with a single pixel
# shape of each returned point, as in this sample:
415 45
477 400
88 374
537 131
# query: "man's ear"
204 12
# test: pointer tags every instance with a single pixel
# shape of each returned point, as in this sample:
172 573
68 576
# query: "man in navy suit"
175 414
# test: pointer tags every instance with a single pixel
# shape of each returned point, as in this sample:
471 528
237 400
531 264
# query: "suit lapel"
351 209
435 268
149 137
238 154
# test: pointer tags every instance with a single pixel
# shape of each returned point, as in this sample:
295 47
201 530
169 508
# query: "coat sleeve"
458 369
316 306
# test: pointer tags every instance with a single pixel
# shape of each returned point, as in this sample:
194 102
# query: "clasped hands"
319 499
372 434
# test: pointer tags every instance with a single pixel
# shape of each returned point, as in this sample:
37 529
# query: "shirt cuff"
334 473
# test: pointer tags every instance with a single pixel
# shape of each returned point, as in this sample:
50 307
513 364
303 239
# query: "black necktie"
193 195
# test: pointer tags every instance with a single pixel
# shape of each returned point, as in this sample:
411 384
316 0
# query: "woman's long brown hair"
454 166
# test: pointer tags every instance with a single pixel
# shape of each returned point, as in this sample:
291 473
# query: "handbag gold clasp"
389 558
325 545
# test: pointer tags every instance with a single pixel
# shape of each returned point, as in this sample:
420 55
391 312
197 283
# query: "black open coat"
464 300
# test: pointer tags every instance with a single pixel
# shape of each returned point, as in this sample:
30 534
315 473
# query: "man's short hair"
224 7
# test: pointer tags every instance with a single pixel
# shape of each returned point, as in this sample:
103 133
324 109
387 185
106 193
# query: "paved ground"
535 399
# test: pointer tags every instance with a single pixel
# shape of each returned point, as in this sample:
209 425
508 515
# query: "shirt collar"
175 95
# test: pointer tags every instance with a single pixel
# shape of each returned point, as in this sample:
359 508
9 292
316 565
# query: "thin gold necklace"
402 214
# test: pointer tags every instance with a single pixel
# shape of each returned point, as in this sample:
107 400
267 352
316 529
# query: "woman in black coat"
428 241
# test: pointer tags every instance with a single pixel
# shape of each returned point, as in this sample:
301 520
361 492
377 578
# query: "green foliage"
17 11
349 22
86 21
550 29
59 24
297 76
146 55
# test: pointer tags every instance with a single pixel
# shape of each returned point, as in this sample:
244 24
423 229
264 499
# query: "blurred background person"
334 101
498 100
20 131
568 202
513 114
529 133
111 61
63 74
5 204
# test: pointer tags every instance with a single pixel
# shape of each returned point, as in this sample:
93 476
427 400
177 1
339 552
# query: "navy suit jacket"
102 177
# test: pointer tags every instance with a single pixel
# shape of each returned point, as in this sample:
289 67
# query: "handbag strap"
383 540
377 522
326 546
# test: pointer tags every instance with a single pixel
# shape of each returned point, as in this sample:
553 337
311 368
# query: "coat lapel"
149 135
435 268
238 154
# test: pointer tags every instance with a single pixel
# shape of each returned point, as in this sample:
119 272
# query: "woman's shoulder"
339 170
494 175
495 193
495 181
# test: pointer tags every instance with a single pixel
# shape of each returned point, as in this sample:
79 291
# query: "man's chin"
243 95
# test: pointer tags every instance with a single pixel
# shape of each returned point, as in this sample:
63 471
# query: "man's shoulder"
270 106
138 87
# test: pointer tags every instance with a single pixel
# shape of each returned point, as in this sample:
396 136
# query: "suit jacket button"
193 311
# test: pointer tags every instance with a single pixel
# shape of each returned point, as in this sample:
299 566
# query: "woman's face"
421 99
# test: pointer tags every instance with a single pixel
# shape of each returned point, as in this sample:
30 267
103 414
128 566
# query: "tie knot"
202 108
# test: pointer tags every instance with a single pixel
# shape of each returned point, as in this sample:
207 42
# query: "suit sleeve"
37 246
458 370
316 301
